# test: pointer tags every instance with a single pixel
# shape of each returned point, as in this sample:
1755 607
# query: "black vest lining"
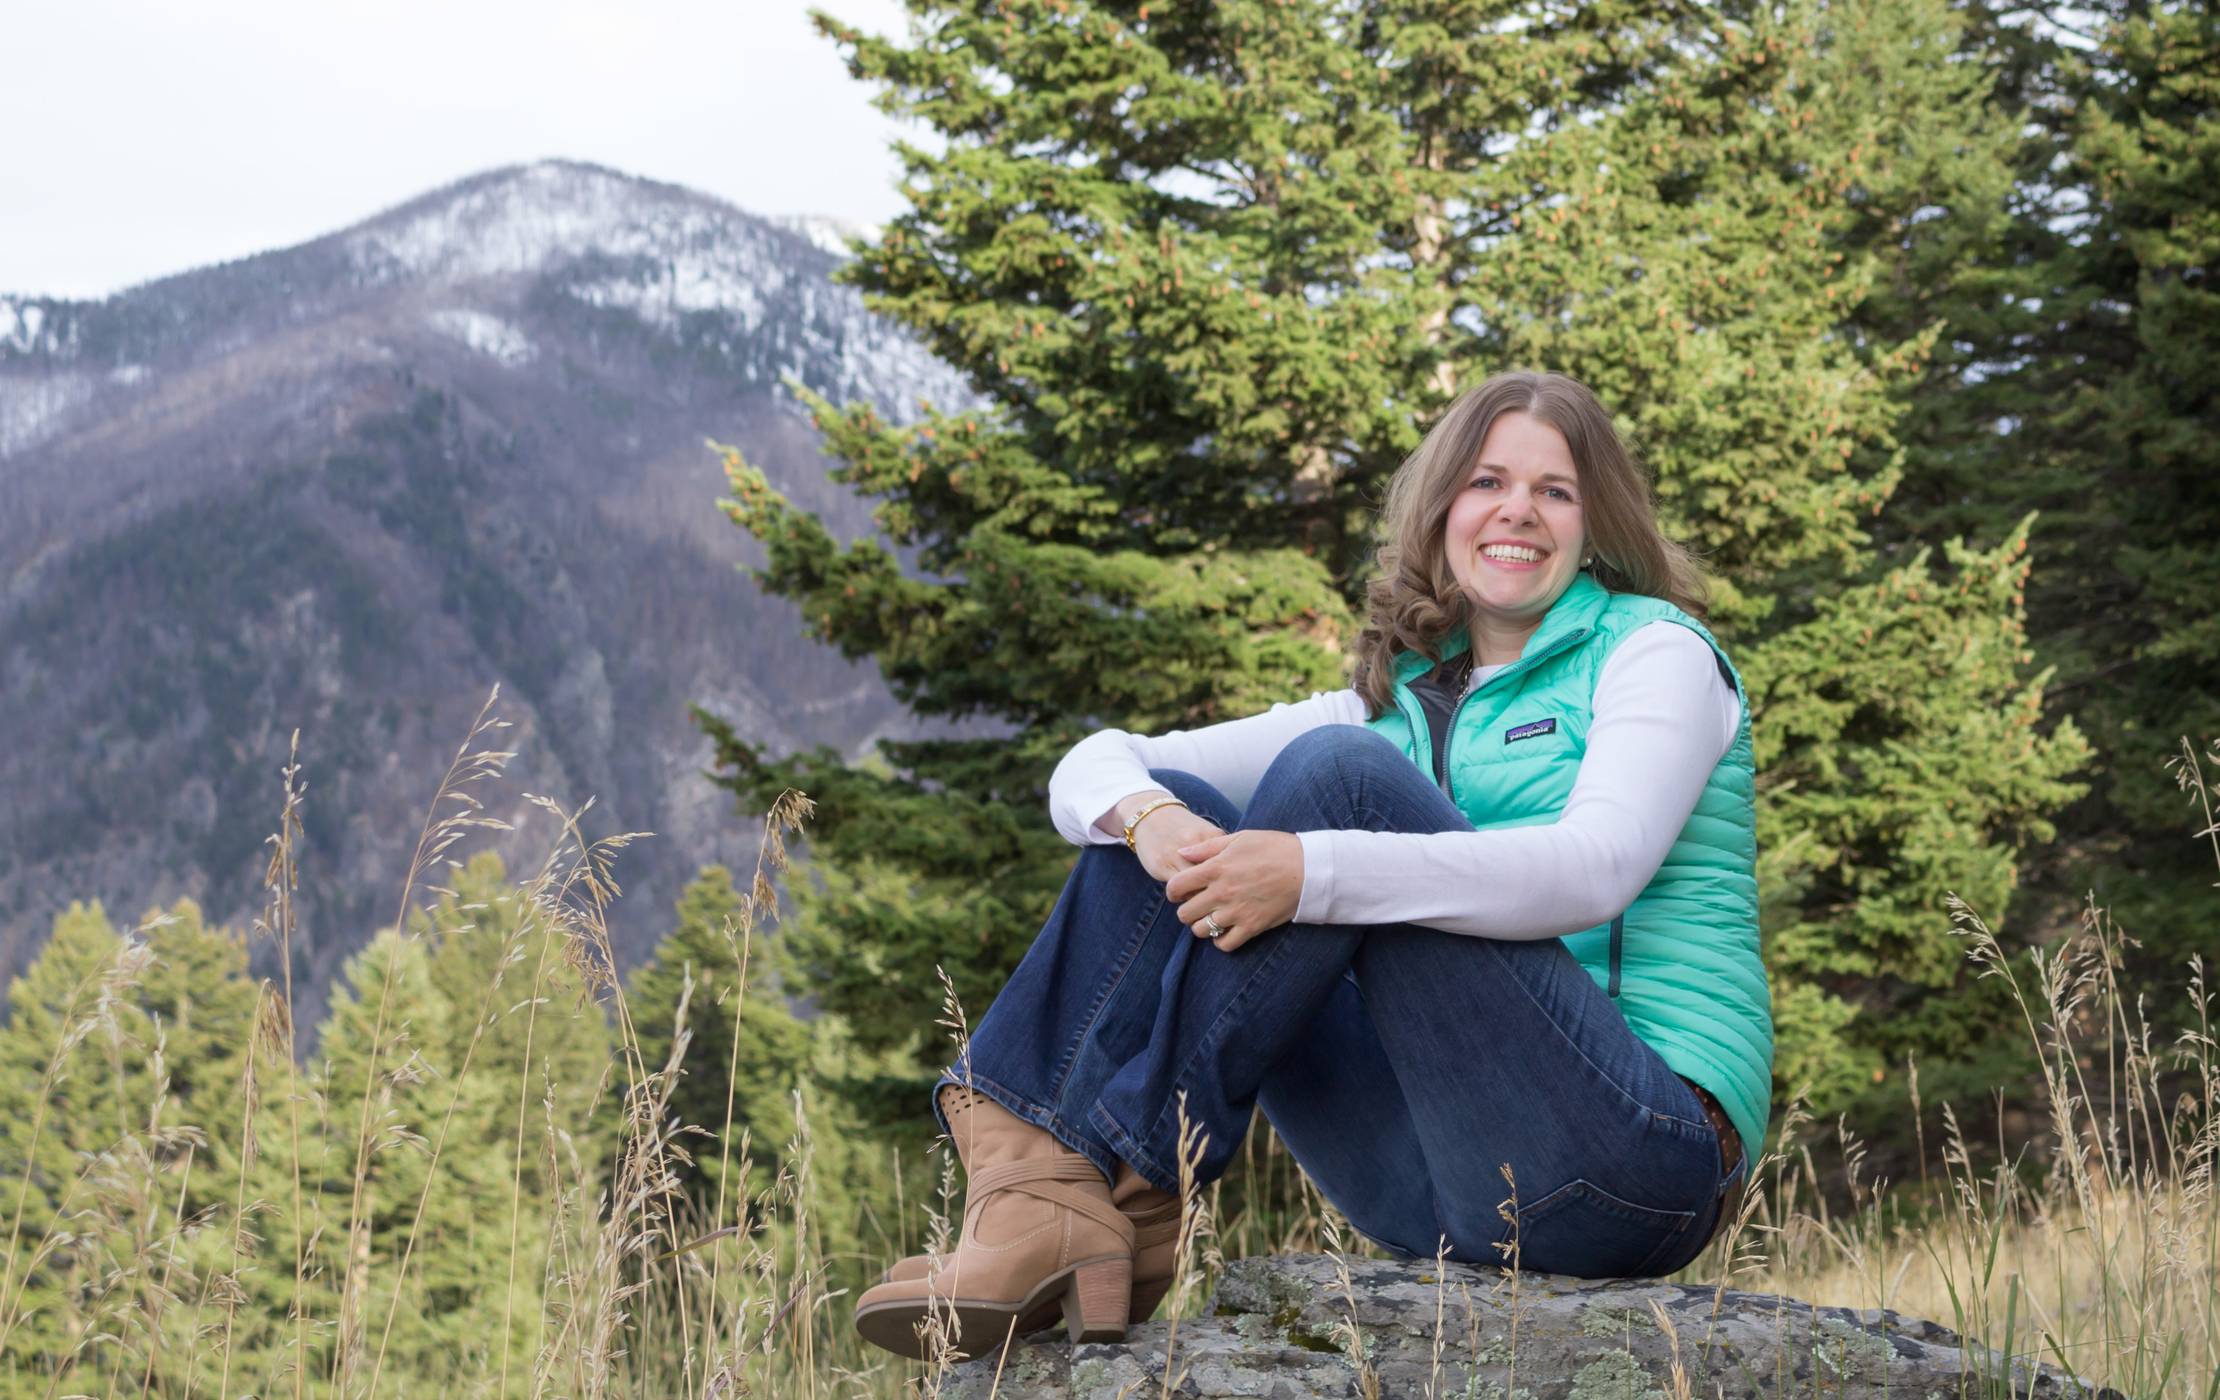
1437 693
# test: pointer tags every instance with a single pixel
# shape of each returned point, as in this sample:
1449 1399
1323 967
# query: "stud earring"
1587 561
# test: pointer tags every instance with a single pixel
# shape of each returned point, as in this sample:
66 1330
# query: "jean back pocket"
1583 1230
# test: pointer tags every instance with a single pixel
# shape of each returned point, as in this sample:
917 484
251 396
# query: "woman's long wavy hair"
1414 599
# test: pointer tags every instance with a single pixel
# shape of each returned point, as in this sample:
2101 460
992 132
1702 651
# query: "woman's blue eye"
1491 482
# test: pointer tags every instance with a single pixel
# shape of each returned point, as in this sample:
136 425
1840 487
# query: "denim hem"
1129 1147
1041 1118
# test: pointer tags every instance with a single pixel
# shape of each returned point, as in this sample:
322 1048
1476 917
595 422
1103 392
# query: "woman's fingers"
1203 850
1158 845
1250 882
1237 932
1233 939
1212 868
1186 883
1233 915
1219 900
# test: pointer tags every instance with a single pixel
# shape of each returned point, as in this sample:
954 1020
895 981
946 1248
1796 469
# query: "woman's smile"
1510 556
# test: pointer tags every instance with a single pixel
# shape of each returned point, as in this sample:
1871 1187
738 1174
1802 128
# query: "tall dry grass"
2094 1247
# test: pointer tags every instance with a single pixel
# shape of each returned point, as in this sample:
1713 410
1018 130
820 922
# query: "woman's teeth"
1512 552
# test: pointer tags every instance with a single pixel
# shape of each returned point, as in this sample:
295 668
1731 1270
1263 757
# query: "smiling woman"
1524 460
1492 908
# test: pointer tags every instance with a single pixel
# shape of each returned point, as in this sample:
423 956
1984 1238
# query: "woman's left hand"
1249 881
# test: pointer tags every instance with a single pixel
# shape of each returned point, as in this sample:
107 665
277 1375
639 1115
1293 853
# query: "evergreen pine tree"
526 1077
1216 267
1722 257
444 1310
2131 612
488 1037
200 1004
741 1039
67 1012
529 1020
768 1097
118 1065
373 1098
2151 144
2085 354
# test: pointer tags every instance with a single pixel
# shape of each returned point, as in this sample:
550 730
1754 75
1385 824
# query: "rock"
1280 1327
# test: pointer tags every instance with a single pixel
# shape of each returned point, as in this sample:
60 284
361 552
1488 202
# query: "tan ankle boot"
1155 1217
1039 1233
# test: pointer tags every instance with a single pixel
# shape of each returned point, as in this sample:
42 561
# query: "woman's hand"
1158 839
1248 881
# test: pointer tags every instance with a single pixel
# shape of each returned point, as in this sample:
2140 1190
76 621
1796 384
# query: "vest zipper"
1415 717
1618 940
1449 738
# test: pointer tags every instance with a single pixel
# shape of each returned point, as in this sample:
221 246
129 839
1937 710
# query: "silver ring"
1213 932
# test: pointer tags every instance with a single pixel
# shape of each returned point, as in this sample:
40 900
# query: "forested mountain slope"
349 486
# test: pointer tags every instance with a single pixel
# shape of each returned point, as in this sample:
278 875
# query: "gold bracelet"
1159 802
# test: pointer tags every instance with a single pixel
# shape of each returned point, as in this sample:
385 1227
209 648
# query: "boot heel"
1097 1300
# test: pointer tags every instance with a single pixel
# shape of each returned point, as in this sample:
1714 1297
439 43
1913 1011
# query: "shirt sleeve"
1111 764
1664 715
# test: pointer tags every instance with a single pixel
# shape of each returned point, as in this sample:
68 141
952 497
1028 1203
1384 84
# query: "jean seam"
1675 1119
1209 1039
1136 1155
1070 1057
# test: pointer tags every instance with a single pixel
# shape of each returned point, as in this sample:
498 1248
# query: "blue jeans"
1400 1064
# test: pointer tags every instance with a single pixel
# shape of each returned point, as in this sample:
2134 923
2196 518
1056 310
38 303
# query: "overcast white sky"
143 137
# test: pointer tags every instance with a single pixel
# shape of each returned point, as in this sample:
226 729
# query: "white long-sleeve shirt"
1663 717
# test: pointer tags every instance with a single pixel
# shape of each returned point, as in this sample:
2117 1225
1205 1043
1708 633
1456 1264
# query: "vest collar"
1582 602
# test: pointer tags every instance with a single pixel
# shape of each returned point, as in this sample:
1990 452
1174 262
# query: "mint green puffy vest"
1682 962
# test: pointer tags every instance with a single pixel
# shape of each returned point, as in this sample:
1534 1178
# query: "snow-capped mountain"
350 485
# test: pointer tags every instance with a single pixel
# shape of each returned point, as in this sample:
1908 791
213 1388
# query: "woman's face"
1514 536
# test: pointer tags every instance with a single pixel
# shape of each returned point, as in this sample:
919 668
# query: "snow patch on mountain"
19 324
32 409
540 216
488 335
694 279
829 234
882 364
28 328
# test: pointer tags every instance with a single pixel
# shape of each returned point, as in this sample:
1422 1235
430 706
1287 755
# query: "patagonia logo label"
1530 731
